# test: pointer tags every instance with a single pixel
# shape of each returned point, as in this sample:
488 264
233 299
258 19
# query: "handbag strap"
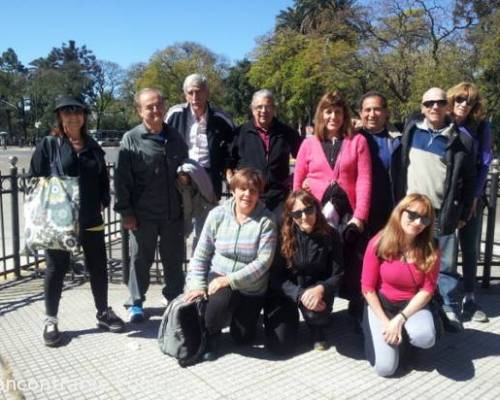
56 168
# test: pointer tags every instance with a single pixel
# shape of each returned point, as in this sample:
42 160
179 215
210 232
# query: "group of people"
370 214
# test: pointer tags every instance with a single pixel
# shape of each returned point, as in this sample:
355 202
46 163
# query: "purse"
51 209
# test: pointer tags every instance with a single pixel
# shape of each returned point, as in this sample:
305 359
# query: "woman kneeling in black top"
304 276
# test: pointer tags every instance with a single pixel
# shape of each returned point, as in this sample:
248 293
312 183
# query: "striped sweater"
241 252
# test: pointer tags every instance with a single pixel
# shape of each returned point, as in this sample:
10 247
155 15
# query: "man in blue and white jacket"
436 160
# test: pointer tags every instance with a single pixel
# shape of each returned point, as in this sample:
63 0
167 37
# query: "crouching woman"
400 271
231 261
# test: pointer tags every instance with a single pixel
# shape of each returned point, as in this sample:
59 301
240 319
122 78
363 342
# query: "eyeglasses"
430 103
413 216
71 110
298 213
461 99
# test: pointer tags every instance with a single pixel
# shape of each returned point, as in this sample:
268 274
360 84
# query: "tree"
69 70
238 91
168 68
299 69
108 80
12 100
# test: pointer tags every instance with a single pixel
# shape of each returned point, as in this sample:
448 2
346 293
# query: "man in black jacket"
208 133
148 201
266 144
436 160
383 140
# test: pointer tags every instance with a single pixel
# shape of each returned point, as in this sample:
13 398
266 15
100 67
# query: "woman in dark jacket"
80 156
304 276
466 109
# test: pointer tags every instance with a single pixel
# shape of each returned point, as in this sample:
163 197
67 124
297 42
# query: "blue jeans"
470 236
449 282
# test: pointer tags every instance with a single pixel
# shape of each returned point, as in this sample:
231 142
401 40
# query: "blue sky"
129 31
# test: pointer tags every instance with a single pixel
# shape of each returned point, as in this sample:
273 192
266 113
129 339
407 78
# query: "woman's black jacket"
317 260
89 165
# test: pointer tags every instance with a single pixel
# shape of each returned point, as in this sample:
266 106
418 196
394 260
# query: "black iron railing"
15 264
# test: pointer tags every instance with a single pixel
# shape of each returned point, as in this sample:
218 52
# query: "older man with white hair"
207 131
436 160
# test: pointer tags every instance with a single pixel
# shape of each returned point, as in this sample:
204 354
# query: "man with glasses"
435 161
266 144
148 201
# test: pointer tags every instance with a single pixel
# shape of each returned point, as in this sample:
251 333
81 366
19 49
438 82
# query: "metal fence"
16 264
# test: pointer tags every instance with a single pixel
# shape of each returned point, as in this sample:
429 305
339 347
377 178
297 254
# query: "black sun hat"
68 101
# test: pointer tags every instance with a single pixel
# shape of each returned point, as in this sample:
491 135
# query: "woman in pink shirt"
335 166
336 155
399 277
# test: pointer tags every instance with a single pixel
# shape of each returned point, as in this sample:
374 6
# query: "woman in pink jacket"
335 166
336 154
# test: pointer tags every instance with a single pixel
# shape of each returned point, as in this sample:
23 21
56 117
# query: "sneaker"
51 335
452 322
136 314
471 311
320 345
110 321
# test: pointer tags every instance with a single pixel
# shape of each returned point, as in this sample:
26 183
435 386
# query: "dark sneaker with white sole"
471 311
110 321
51 335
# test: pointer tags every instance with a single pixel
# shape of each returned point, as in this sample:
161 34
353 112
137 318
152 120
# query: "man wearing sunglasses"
435 160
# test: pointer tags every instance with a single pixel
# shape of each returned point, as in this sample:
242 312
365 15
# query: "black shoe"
472 311
51 335
318 338
110 321
211 353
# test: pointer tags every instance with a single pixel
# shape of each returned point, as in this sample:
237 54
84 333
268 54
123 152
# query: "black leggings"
241 311
281 321
94 251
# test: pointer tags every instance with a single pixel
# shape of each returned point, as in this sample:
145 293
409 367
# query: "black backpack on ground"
182 333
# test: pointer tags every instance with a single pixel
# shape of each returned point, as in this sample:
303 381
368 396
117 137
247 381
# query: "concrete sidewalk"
93 364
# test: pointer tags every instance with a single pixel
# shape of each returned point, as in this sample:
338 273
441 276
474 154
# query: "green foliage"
168 68
238 91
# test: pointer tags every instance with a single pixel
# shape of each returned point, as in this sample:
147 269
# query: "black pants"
232 307
94 252
143 243
281 321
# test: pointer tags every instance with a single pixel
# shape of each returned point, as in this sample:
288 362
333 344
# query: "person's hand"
193 295
461 224
473 209
217 283
229 174
183 178
305 186
359 223
392 332
356 123
129 222
312 298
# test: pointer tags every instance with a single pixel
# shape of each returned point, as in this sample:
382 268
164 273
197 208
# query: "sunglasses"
461 99
430 103
298 213
413 216
72 110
